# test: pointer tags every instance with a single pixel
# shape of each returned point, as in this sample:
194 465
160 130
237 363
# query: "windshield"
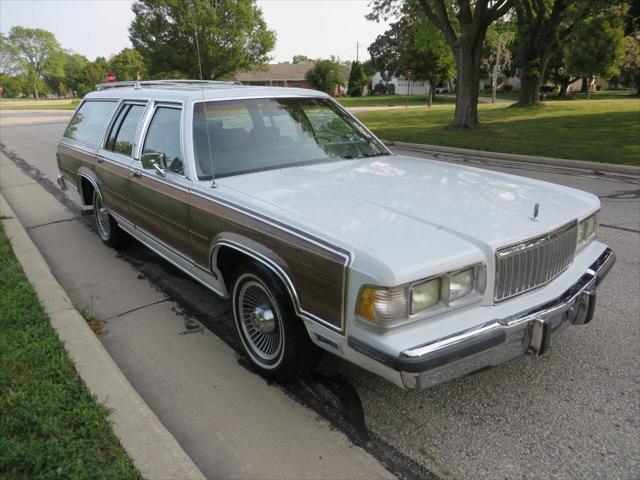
242 136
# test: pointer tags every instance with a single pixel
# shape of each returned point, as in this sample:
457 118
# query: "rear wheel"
109 231
272 337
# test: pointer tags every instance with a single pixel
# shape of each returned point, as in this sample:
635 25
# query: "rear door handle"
136 173
100 159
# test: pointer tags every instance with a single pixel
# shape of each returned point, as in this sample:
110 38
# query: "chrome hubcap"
102 218
260 321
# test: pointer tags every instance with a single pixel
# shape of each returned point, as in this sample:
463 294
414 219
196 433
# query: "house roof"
277 71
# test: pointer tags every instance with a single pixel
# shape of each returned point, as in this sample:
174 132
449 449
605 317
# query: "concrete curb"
484 155
155 452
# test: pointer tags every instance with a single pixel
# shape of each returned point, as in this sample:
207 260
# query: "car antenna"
206 122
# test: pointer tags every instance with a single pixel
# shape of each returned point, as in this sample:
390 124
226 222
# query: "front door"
158 188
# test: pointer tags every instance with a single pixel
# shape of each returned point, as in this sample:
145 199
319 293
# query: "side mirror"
156 161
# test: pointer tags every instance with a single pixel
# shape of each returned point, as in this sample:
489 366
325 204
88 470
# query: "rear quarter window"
90 122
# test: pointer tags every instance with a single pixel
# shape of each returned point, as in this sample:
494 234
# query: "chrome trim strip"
171 255
91 181
282 275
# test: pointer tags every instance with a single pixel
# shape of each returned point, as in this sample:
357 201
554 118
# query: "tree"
326 75
385 49
128 64
231 35
75 75
96 72
596 48
31 52
300 59
357 80
428 54
630 65
464 25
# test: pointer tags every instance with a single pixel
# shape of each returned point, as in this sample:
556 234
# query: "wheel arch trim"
272 266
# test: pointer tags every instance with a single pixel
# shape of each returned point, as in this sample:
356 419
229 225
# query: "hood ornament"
536 211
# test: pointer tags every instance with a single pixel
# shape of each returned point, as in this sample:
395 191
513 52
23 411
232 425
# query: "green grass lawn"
602 131
392 100
63 106
50 425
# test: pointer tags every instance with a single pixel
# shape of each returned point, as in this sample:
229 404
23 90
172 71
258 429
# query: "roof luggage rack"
137 84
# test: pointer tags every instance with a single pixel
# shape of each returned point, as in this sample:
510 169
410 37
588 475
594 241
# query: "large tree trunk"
430 93
529 91
35 90
584 86
564 86
467 82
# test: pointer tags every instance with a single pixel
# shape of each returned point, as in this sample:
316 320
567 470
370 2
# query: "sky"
316 28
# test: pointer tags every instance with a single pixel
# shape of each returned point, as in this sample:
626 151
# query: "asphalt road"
571 414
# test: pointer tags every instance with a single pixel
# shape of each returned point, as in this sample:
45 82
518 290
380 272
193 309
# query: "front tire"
271 335
110 232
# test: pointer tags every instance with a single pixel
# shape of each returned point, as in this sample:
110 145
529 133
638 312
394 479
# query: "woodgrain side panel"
317 272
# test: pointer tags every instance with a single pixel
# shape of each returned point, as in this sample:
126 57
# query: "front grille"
535 262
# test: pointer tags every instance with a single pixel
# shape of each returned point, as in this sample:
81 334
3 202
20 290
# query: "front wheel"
271 336
109 231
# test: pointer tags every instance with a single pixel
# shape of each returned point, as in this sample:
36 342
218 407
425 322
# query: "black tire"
272 337
108 230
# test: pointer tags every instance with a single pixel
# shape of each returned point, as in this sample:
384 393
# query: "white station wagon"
323 239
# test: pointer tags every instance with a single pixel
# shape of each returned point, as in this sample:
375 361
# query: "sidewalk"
228 420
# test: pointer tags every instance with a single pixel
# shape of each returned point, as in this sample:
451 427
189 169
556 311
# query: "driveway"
571 414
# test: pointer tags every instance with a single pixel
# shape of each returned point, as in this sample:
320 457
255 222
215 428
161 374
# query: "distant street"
571 414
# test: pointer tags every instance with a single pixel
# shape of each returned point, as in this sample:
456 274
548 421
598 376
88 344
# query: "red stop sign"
111 77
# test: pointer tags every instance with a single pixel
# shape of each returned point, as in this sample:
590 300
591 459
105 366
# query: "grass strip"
50 425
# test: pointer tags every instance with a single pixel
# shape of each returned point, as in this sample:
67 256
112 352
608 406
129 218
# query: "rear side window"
90 122
123 131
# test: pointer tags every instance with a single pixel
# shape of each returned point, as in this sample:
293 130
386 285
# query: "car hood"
411 214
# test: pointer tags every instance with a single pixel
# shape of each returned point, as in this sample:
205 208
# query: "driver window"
164 137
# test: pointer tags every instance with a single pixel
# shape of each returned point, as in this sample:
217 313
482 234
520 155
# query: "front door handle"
100 159
136 173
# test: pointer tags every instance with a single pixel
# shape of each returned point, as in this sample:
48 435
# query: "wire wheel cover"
260 321
102 217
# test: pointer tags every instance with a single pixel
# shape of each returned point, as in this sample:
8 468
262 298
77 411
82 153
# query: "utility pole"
357 51
496 67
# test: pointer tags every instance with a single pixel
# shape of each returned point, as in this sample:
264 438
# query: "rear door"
159 200
116 156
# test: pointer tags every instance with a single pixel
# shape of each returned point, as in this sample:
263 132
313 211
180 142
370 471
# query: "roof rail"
150 83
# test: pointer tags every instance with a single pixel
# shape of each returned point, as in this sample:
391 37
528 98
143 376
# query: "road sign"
111 77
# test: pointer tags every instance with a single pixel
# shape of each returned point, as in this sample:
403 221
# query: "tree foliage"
630 64
300 59
326 75
357 80
231 35
31 52
596 47
128 64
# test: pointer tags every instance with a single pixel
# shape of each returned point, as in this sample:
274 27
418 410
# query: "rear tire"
272 337
110 232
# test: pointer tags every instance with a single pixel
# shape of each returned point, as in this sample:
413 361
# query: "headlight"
425 295
587 229
461 284
389 307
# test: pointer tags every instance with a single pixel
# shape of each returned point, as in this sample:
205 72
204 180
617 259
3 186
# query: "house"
403 86
283 75
278 75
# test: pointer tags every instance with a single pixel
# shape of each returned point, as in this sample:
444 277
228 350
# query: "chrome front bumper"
499 340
